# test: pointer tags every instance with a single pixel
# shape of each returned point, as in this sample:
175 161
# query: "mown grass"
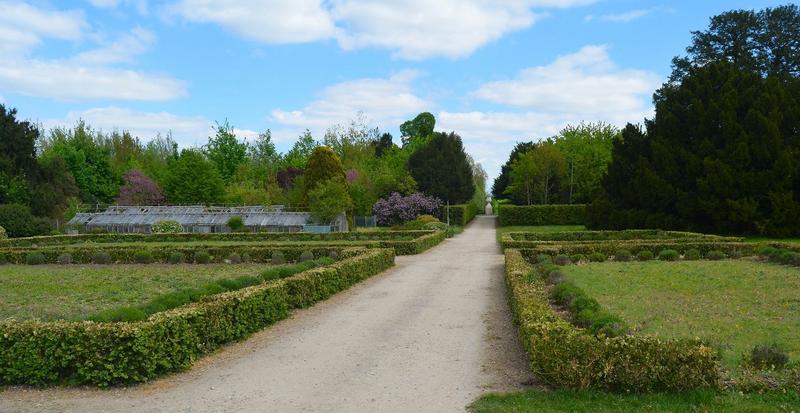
539 228
596 402
75 292
732 304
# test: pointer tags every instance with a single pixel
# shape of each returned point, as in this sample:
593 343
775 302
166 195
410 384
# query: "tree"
18 221
301 150
587 152
421 126
441 169
501 182
226 151
383 144
536 174
53 187
138 189
353 142
17 144
328 199
194 179
323 164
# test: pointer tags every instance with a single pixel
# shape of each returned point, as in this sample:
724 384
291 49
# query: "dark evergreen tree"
383 144
441 169
501 182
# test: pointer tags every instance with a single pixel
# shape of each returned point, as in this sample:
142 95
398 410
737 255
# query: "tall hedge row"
103 354
509 215
461 214
566 356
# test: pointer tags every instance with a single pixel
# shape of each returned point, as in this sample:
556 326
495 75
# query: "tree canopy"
441 169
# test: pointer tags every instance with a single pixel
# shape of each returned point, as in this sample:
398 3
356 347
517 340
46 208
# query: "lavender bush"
397 209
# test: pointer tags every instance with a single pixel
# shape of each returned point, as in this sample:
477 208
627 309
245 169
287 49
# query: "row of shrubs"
564 355
185 296
201 237
644 255
626 235
780 255
36 353
636 247
509 215
460 215
175 254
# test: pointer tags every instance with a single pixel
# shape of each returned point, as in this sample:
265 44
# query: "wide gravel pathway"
429 335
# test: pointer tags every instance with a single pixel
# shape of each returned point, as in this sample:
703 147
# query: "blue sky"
496 72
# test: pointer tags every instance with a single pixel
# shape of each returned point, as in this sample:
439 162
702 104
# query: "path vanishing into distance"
430 335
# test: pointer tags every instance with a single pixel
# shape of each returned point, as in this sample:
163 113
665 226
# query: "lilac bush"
397 209
138 189
352 175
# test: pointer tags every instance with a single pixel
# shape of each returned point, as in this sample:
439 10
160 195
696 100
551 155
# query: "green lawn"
733 304
75 292
595 402
541 228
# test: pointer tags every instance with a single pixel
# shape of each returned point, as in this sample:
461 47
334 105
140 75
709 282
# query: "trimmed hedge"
541 215
564 355
521 240
635 247
104 354
461 214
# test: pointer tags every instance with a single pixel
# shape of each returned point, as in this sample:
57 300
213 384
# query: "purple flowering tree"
138 189
351 175
397 209
287 176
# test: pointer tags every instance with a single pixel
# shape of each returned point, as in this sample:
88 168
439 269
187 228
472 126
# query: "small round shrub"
236 224
736 254
64 259
3 233
767 251
306 256
202 257
768 357
175 258
101 257
34 258
427 219
668 255
277 258
576 258
246 258
623 256
166 227
544 259
3 259
142 257
562 259
716 255
597 257
333 255
556 277
644 255
235 258
692 255
55 232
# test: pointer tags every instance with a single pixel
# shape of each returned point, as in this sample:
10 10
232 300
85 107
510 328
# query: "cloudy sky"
496 72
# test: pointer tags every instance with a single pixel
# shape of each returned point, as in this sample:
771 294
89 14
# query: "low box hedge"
522 240
103 354
564 355
610 248
509 215
461 214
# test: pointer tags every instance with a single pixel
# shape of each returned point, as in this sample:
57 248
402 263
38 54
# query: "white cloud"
383 101
122 50
621 17
186 130
413 29
140 5
267 21
23 26
584 82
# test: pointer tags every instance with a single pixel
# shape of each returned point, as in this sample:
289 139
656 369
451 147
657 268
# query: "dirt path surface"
430 335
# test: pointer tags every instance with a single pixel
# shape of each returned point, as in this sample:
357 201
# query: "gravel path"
430 335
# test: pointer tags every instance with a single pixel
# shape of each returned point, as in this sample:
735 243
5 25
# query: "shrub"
202 257
235 258
34 258
277 258
668 255
142 257
556 277
3 259
542 215
18 221
397 209
175 258
768 357
3 234
306 256
236 224
64 259
622 256
101 257
645 255
597 257
715 255
460 215
333 255
576 258
544 259
246 258
166 227
692 254
562 260
427 219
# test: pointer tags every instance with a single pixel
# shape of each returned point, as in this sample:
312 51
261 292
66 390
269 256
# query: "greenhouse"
139 219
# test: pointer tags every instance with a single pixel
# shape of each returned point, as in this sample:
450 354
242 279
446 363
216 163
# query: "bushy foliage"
3 233
234 258
192 178
645 255
562 259
175 258
277 258
235 223
716 255
668 255
460 215
397 209
143 257
18 221
34 258
597 257
509 215
166 227
202 257
306 256
64 259
441 169
138 189
622 255
692 254
323 164
101 257
768 357
329 199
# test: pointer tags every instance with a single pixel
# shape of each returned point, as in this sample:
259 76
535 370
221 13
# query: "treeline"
46 175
